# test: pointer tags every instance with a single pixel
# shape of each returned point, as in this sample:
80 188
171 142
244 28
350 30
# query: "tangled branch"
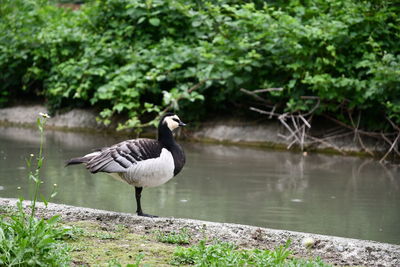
299 124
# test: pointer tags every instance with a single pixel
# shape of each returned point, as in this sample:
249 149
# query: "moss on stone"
94 245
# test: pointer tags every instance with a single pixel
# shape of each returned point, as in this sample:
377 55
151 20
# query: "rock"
340 248
27 115
308 242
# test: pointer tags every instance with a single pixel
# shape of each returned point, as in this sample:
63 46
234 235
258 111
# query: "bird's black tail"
75 161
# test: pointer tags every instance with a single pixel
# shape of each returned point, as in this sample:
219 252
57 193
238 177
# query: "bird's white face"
172 122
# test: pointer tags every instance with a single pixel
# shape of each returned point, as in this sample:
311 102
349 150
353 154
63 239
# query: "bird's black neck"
165 136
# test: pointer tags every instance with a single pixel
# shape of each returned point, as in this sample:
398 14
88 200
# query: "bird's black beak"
182 124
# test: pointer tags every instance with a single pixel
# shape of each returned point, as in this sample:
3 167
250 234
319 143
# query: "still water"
333 195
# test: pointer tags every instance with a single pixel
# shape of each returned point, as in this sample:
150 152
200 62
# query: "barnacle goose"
140 162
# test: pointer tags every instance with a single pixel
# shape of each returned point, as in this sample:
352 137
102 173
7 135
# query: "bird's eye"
176 120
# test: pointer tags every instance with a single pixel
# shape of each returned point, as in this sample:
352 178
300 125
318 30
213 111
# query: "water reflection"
334 195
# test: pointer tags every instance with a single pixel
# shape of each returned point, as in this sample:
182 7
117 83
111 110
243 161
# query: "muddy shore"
335 250
266 133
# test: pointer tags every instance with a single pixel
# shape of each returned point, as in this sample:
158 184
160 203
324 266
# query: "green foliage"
73 233
26 240
138 58
183 237
228 254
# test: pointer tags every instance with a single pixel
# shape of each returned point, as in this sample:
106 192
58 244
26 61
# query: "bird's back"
121 157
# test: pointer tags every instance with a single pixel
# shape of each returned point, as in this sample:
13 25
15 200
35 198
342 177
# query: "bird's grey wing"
124 155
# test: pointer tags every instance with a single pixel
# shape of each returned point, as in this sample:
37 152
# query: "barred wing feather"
122 156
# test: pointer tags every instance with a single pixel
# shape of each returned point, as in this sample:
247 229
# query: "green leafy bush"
141 57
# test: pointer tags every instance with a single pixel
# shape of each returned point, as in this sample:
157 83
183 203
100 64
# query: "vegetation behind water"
138 58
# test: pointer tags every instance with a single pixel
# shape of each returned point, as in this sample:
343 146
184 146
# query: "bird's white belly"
151 172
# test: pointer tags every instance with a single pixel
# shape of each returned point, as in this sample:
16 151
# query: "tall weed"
26 240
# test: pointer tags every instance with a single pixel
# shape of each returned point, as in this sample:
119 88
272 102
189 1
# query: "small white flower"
18 188
44 115
55 185
32 155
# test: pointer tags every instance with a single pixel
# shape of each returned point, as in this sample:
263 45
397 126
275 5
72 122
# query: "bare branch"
391 148
393 124
309 97
292 143
313 109
337 135
390 143
303 133
319 140
284 136
296 122
267 90
272 112
371 134
282 120
265 112
293 134
363 146
305 121
253 95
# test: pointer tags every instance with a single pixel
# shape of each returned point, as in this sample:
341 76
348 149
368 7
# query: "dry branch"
299 124
390 143
259 98
391 148
267 90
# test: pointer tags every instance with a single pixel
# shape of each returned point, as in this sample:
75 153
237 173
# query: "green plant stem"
40 123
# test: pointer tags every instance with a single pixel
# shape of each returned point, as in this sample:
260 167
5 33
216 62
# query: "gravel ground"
335 250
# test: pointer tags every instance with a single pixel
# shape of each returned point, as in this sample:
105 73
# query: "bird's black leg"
139 211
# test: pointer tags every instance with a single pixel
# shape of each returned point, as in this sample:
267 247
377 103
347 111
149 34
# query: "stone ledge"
76 119
335 250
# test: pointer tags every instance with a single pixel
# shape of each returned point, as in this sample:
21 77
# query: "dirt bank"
77 119
267 134
336 250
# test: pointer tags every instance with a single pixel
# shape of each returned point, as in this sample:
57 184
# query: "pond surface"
333 195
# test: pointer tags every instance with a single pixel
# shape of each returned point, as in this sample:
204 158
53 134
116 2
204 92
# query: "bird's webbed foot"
146 215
